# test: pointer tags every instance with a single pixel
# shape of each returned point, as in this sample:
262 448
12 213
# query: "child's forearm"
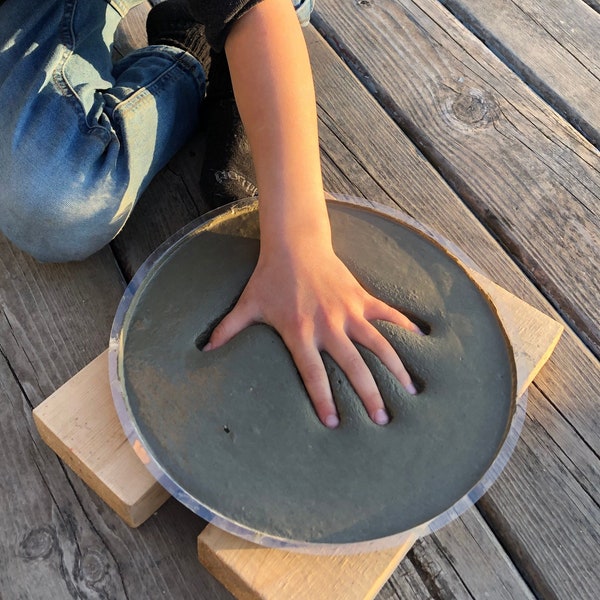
273 85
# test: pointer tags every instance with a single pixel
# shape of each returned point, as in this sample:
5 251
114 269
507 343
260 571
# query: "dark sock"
171 24
228 172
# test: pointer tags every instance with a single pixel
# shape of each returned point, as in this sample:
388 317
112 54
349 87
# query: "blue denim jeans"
81 137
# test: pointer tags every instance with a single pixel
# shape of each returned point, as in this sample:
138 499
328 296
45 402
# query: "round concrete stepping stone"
232 433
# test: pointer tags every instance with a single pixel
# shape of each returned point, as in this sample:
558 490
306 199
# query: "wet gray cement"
234 427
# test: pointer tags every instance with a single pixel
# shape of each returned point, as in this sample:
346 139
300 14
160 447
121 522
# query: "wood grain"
51 318
477 571
593 4
46 313
552 45
526 173
48 548
538 525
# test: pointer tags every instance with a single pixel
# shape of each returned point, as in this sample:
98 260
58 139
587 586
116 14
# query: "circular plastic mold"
231 433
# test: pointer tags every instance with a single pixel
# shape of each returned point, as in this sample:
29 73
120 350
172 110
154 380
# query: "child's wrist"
308 231
290 219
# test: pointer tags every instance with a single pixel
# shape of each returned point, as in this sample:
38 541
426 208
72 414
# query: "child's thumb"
239 318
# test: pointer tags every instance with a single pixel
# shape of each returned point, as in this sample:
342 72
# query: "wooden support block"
252 572
80 424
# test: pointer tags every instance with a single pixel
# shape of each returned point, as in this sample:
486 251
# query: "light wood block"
80 424
252 572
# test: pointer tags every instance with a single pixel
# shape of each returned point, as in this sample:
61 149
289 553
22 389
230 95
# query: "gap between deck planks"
530 177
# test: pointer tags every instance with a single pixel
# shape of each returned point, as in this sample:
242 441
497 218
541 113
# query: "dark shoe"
228 172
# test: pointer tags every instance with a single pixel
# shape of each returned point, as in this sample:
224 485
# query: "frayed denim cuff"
304 9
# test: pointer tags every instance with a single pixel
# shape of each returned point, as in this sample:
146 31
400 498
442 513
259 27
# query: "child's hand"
299 286
309 296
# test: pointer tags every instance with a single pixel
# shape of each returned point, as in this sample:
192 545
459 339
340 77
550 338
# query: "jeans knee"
57 223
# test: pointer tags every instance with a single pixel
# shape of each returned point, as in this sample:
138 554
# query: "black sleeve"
218 16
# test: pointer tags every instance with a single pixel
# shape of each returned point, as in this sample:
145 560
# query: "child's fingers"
380 310
310 365
351 362
369 337
238 319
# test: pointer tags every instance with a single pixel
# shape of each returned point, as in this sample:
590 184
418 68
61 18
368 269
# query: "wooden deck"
479 118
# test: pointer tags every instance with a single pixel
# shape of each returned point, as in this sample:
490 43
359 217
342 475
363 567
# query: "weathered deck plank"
392 172
51 320
480 564
55 317
595 4
551 44
406 583
379 165
527 174
461 561
40 547
527 510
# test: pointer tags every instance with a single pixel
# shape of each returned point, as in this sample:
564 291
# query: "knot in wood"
37 544
469 107
94 566
364 3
